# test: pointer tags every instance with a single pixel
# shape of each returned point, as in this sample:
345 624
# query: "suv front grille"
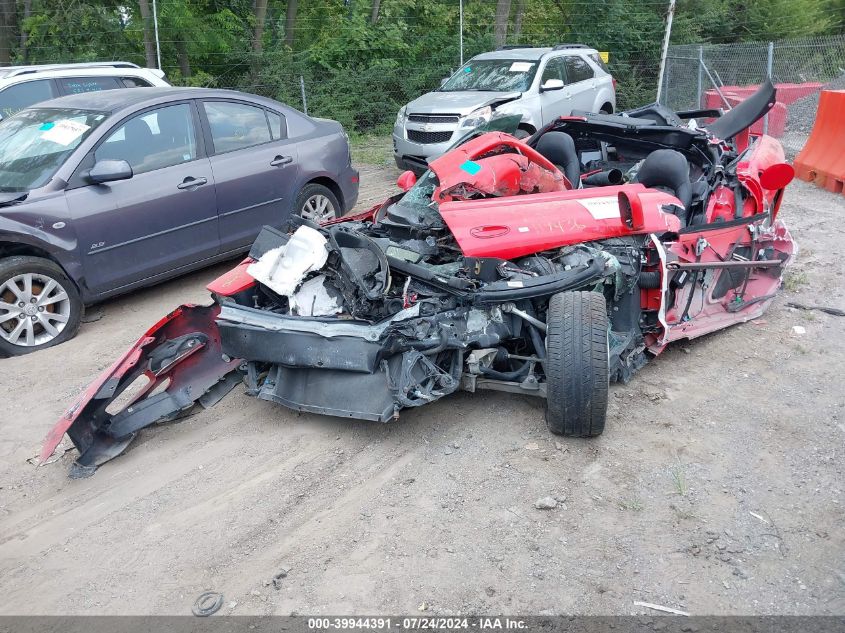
418 136
434 118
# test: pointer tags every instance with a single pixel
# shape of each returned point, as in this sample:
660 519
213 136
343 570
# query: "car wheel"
39 306
317 203
605 111
576 365
521 134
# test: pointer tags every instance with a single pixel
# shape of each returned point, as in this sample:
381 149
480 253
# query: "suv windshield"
34 143
492 75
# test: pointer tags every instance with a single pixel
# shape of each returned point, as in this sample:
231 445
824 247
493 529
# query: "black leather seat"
668 170
559 148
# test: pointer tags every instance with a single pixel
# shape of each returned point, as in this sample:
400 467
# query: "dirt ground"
717 487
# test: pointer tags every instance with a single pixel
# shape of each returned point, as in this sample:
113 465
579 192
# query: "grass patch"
681 514
679 479
633 505
371 149
794 280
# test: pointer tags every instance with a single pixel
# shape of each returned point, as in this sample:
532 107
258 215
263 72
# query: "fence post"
665 49
769 63
700 71
302 89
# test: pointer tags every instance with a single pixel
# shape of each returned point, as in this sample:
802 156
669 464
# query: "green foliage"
361 72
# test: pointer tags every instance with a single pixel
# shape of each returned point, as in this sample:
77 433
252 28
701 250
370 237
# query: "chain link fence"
720 75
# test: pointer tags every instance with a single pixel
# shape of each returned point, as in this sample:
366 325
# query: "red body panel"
233 281
503 175
201 369
722 204
765 153
748 300
524 225
452 169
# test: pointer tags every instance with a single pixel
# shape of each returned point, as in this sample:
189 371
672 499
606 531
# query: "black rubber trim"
715 226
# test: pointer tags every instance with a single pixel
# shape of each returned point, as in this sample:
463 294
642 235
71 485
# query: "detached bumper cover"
176 363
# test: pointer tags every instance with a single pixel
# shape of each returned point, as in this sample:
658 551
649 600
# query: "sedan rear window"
236 125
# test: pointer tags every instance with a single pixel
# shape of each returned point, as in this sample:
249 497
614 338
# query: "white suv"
23 86
540 84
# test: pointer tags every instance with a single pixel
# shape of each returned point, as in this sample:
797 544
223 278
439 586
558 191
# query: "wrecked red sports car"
548 267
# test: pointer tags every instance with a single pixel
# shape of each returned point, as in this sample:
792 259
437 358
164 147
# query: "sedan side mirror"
406 180
109 171
551 84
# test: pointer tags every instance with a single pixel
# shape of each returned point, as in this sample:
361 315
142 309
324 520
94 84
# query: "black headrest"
559 148
666 168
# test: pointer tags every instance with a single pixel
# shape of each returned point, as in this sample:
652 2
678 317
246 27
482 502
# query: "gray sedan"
102 193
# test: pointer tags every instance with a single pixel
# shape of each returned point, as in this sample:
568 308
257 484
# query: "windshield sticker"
604 208
521 67
467 69
47 126
64 132
471 167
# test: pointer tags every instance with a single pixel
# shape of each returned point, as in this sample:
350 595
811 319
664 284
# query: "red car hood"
523 225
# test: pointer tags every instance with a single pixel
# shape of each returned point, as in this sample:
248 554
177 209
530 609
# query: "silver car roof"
529 54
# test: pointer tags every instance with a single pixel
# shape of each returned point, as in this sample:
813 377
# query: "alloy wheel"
34 309
318 208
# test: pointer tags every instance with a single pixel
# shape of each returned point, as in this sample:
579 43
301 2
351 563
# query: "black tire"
521 133
70 308
605 110
313 191
577 373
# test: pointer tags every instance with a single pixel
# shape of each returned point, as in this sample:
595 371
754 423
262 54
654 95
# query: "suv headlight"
477 117
400 118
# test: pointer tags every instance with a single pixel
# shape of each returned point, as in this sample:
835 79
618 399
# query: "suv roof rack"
560 47
511 47
13 71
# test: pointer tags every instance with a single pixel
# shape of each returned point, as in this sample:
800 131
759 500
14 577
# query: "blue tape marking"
471 167
467 69
47 126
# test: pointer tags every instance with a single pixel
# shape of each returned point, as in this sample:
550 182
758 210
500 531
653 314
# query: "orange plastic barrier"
787 94
822 161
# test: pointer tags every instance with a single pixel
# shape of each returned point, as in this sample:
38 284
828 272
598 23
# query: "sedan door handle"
281 160
191 182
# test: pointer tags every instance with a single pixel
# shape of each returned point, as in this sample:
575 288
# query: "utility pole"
461 28
665 48
155 26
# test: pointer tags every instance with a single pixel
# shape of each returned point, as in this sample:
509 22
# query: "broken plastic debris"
313 299
799 330
659 607
283 269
